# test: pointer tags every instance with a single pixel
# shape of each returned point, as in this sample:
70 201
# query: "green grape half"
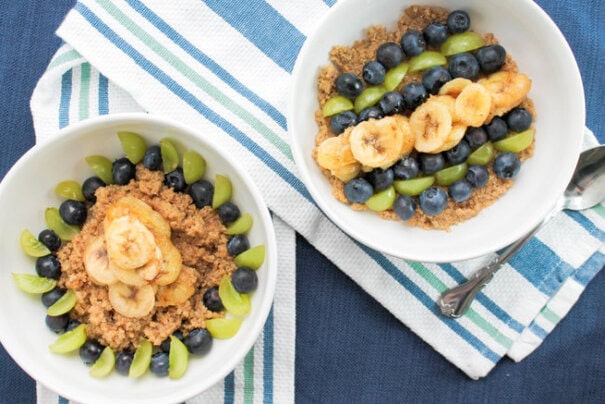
103 366
236 303
252 257
141 360
413 186
178 358
222 190
382 200
241 225
102 167
516 142
462 42
426 60
70 341
368 97
482 155
170 156
194 166
31 245
336 105
451 174
70 189
33 284
133 145
64 304
223 328
55 222
394 76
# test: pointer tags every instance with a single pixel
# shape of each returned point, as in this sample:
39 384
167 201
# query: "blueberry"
458 21
391 103
358 190
228 212
491 58
404 207
175 180
90 186
50 239
339 122
159 364
380 179
57 324
433 200
244 280
389 54
431 163
496 129
123 171
412 43
519 119
90 351
369 113
201 192
435 34
434 78
123 362
414 94
50 297
198 341
73 212
349 85
460 190
373 72
237 244
406 168
212 300
477 176
463 65
48 266
152 160
475 136
72 324
506 165
458 153
165 345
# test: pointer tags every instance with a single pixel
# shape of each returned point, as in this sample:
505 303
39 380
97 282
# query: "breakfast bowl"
539 51
29 190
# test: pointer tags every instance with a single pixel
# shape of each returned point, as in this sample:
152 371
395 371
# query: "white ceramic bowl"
540 50
28 189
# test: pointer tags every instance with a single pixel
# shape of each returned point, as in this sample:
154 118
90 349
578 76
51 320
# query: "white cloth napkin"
225 68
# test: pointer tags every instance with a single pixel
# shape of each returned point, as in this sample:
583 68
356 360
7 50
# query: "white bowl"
28 189
540 50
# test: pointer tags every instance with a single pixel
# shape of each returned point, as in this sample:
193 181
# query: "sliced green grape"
64 304
241 225
133 145
103 366
368 97
55 222
482 155
515 143
223 328
336 105
236 303
70 341
413 186
178 358
252 257
451 174
170 156
70 189
33 284
394 76
101 166
222 190
194 166
141 360
31 245
463 42
425 60
382 200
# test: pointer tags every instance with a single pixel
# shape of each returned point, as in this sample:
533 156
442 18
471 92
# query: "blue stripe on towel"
590 268
268 359
587 224
66 84
229 389
539 331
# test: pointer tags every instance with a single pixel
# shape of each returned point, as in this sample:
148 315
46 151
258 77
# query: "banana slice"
131 301
455 136
129 243
431 123
507 89
142 275
127 276
335 154
130 206
171 263
473 105
180 290
96 262
378 143
409 139
454 87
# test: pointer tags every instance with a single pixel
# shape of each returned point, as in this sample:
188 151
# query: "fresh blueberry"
50 239
373 72
434 78
519 119
475 137
159 364
477 176
198 341
57 324
237 244
90 351
90 186
491 58
389 54
244 280
431 163
48 266
391 103
339 122
412 43
435 34
49 298
201 192
212 300
175 180
152 160
458 21
380 179
165 345
414 94
358 190
73 323
433 200
458 153
123 362
349 85
404 207
463 65
506 165
369 113
73 212
228 212
496 129
123 171
406 168
460 190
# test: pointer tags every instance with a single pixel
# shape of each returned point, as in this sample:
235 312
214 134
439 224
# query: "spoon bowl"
587 185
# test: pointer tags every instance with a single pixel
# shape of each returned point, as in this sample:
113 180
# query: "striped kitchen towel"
225 68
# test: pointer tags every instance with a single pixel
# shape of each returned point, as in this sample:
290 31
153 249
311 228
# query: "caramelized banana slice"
507 89
431 123
180 290
132 301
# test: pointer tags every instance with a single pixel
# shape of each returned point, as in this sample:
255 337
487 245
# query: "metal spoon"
585 190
